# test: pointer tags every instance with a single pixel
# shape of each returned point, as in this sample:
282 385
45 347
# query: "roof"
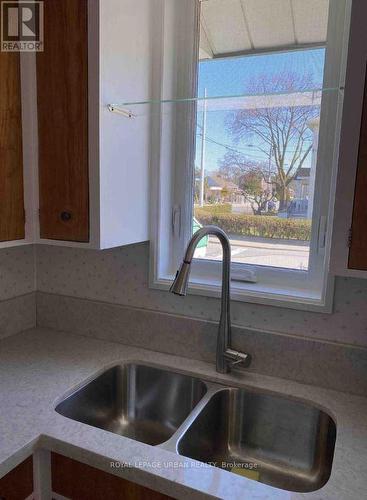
217 182
240 26
303 172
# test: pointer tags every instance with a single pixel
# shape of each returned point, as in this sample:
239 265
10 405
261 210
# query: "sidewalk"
290 254
278 243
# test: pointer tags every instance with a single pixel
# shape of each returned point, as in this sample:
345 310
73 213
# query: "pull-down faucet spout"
226 357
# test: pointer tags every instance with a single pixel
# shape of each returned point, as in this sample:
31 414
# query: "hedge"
257 225
217 209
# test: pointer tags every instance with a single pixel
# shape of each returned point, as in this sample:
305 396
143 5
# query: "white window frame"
173 149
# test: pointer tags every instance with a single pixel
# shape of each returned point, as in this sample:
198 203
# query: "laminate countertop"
39 367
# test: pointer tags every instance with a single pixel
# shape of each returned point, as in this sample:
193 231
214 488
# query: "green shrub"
257 225
224 208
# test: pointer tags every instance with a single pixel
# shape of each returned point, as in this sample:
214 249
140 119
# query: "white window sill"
260 293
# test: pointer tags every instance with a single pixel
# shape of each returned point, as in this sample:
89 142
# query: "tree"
280 131
234 165
256 191
252 177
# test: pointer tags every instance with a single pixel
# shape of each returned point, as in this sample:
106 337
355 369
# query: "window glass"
260 80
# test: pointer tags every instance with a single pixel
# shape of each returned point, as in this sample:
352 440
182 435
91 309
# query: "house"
219 189
301 184
300 189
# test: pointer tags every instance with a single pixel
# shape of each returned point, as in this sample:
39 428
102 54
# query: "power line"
229 148
239 150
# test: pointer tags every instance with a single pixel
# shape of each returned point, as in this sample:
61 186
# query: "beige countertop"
39 367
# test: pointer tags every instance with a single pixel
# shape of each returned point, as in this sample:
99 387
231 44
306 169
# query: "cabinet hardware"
65 216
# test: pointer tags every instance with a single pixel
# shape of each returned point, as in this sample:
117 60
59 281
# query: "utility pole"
269 187
203 151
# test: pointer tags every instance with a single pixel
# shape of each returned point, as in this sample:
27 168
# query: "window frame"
172 144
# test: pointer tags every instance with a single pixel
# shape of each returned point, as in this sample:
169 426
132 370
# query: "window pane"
256 152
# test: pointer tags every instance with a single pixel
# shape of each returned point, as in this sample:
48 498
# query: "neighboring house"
300 188
218 189
301 184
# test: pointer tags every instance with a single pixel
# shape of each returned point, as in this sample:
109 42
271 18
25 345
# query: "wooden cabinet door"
62 102
18 483
78 481
358 241
11 155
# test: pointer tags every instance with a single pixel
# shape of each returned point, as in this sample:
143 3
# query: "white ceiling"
230 26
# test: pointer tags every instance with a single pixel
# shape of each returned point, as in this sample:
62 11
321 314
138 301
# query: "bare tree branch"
285 130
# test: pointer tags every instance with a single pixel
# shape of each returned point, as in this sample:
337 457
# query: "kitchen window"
248 120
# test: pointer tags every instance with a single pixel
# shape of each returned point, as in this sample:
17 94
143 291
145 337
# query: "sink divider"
172 443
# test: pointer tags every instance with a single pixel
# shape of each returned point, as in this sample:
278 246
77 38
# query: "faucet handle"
237 362
237 358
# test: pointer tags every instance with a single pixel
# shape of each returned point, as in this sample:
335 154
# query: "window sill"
259 293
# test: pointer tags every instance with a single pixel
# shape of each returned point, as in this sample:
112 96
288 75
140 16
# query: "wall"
106 295
120 276
17 290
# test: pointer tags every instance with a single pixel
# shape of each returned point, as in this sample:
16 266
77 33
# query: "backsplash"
17 275
308 361
17 287
120 276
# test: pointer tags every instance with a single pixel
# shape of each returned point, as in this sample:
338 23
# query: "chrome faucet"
226 356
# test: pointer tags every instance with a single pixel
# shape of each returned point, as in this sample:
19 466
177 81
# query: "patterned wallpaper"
17 282
17 275
120 276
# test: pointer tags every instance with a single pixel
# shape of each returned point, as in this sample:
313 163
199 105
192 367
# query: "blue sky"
226 77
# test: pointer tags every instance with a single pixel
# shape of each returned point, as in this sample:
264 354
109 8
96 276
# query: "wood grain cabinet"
77 481
358 236
93 164
71 172
349 238
80 171
74 480
18 483
62 101
12 218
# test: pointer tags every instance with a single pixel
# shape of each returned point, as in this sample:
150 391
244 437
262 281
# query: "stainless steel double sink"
276 440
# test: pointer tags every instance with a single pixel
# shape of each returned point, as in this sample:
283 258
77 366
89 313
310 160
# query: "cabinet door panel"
18 483
78 481
358 249
11 155
62 88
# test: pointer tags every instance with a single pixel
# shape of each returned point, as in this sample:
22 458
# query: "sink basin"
278 441
140 402
284 443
